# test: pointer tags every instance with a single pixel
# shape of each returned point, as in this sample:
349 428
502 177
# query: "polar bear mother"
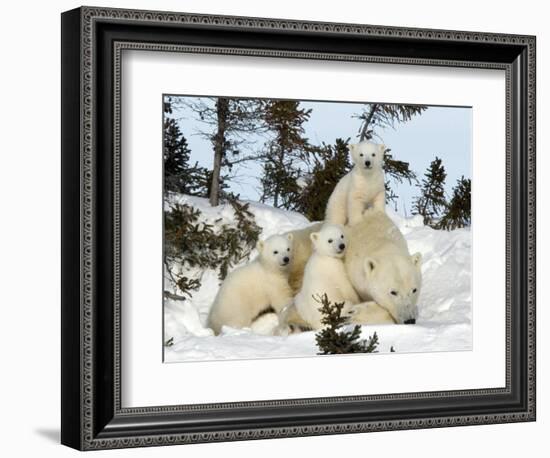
385 276
381 269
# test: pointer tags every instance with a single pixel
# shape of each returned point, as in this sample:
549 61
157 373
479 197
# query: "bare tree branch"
368 120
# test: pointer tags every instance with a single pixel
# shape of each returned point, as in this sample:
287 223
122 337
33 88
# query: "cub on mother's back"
361 188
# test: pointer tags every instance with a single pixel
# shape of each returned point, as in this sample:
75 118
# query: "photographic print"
297 205
299 228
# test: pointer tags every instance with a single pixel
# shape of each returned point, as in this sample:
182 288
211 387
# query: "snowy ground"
443 324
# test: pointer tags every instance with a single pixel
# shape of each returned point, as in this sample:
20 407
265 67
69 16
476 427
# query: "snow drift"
444 322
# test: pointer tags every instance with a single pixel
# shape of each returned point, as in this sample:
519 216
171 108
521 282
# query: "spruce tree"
285 152
179 175
333 339
227 124
330 164
176 156
458 213
432 202
396 171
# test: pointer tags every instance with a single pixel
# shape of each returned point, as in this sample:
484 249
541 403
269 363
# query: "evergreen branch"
333 339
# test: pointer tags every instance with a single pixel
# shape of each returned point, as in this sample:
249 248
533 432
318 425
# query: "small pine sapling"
334 339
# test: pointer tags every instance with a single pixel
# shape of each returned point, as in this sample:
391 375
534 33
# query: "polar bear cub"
325 274
360 188
255 290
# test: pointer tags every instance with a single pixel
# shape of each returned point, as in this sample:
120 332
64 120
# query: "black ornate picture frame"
92 42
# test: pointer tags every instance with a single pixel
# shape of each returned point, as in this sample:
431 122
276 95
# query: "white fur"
255 287
361 188
381 269
301 251
325 274
265 325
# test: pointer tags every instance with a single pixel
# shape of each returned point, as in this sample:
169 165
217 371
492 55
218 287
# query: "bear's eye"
361 154
373 154
414 290
329 240
288 249
275 252
393 292
342 236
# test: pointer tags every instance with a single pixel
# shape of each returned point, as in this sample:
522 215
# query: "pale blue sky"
445 132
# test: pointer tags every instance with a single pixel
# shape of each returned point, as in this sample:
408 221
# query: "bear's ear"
370 265
314 236
416 259
290 237
260 246
382 148
351 147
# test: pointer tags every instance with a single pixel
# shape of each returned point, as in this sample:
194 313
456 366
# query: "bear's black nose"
342 246
410 321
367 163
286 259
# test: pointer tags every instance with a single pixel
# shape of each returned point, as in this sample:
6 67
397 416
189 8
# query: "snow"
445 307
